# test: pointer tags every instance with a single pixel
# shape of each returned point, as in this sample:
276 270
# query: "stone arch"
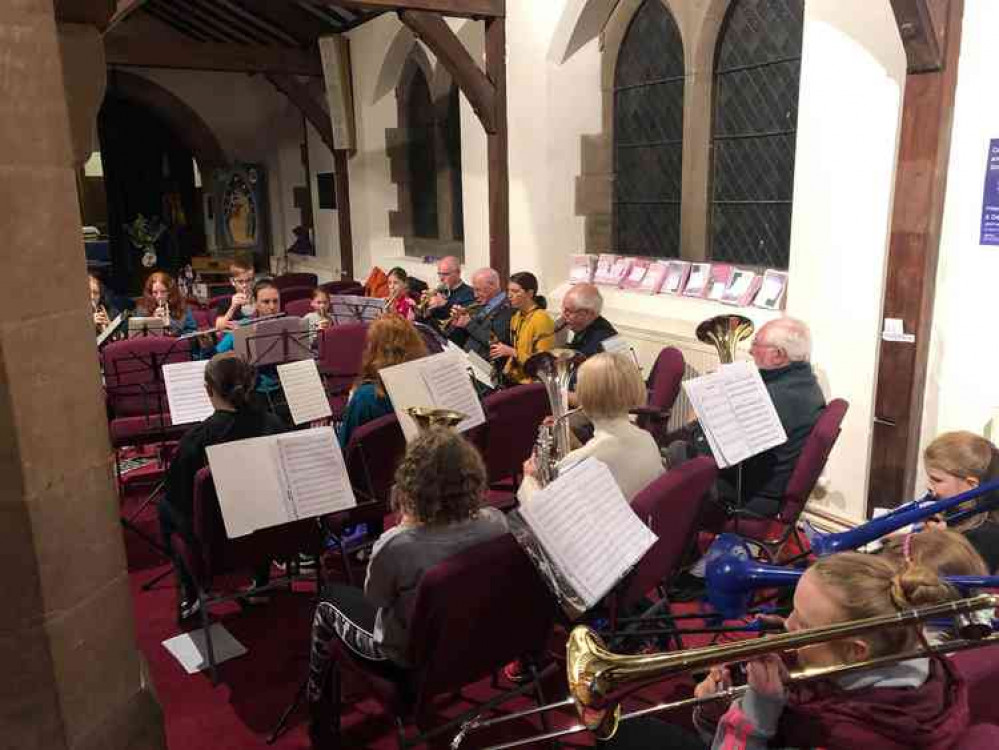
190 128
394 63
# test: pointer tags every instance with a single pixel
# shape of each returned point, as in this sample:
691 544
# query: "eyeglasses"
442 274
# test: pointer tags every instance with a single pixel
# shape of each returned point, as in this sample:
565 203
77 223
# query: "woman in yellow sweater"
531 328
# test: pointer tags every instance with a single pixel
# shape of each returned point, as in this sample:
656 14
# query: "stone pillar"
72 676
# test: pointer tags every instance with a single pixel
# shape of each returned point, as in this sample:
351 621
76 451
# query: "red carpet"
255 688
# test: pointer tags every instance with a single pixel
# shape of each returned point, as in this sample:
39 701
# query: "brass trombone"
600 679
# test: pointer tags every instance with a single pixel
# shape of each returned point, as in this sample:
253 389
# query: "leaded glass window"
648 135
757 70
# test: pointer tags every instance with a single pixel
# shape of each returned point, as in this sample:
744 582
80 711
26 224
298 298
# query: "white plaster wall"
962 391
852 83
256 123
549 108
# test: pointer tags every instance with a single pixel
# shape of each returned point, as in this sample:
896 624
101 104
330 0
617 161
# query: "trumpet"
457 311
98 309
599 679
424 301
725 333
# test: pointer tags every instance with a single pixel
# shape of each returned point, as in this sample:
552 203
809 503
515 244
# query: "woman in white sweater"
608 386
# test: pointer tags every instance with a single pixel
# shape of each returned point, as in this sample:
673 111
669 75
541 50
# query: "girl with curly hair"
391 340
439 489
161 298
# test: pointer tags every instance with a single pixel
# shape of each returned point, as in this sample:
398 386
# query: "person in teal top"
391 340
266 301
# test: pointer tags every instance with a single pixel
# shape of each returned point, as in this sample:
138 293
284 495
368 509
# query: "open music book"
151 325
440 381
582 535
268 481
351 308
185 389
481 370
304 391
736 413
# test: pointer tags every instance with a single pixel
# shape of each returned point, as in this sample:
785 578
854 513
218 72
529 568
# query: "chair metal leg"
336 690
213 669
282 722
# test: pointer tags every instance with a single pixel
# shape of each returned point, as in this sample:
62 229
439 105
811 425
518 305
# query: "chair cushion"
141 430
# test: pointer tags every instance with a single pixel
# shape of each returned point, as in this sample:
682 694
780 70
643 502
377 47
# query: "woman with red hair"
161 298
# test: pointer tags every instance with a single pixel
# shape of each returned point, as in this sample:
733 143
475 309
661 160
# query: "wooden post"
342 180
498 151
917 216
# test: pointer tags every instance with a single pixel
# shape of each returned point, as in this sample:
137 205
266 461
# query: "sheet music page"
481 369
714 412
314 472
588 528
449 385
753 407
405 387
249 486
186 395
303 388
111 328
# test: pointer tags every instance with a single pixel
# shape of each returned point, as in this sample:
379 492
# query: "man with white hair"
474 332
782 351
581 308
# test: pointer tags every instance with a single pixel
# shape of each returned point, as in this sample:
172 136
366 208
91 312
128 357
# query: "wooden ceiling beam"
298 94
123 10
189 55
460 8
431 29
288 16
921 37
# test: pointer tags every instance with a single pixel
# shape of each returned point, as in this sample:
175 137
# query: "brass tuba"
725 333
554 369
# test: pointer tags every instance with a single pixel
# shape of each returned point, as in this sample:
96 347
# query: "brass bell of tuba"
554 369
725 333
427 417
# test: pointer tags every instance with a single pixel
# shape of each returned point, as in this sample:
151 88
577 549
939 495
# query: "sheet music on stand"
112 327
277 479
187 397
351 308
582 535
145 326
736 413
439 381
476 365
304 391
273 340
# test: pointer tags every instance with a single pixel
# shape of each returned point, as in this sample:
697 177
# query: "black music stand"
348 308
138 377
270 342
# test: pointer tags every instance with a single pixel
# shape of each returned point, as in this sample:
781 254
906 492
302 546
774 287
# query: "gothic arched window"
420 155
648 135
757 69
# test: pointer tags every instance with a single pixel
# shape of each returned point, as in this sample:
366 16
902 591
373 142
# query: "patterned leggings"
342 613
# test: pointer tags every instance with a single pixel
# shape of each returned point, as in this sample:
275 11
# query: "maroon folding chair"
293 293
670 506
513 416
216 302
211 558
474 613
298 307
135 391
341 348
288 280
347 287
664 386
979 737
774 533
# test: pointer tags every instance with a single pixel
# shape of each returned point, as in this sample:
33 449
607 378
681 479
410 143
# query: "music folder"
736 413
439 381
268 481
581 534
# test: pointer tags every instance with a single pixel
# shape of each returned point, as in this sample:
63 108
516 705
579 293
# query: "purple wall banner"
990 199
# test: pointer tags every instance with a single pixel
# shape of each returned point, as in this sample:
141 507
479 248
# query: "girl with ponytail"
916 703
229 382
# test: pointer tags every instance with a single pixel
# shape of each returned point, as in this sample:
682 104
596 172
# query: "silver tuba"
554 369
